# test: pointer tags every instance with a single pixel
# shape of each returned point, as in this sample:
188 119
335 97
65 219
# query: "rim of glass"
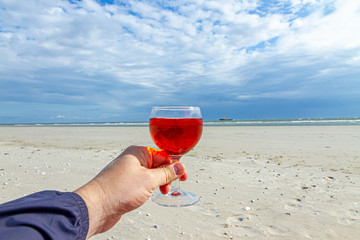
176 107
175 112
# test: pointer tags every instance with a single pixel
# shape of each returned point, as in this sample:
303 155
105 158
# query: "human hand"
126 183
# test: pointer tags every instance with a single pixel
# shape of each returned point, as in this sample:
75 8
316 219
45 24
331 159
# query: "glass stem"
175 184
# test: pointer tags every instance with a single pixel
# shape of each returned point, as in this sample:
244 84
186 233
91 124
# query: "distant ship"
226 119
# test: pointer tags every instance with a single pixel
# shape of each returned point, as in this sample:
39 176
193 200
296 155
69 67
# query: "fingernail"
179 169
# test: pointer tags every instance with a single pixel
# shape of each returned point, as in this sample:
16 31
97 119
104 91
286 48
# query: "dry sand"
254 182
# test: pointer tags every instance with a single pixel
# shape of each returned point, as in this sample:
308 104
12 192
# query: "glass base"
175 198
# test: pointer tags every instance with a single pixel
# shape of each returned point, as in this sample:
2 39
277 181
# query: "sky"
111 61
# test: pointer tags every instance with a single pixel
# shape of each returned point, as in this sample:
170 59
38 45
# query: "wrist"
92 194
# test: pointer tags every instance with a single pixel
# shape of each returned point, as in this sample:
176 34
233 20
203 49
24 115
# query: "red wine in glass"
176 136
175 130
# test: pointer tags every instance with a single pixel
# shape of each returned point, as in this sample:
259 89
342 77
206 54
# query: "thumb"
168 173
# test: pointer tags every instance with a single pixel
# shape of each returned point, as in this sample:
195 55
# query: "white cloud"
320 32
170 48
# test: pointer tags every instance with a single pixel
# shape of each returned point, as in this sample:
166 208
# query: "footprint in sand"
297 204
236 220
236 226
293 204
273 230
347 221
208 209
350 217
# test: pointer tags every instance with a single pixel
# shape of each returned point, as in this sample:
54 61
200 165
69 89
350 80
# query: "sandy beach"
293 182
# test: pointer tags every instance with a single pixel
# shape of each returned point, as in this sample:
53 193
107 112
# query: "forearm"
45 215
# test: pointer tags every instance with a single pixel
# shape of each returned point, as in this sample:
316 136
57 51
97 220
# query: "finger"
164 189
184 177
168 173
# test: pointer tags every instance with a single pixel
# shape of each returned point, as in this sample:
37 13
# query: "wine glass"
175 130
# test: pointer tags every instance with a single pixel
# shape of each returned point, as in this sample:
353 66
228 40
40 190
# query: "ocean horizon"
227 122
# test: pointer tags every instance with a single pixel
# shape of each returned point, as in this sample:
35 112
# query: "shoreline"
343 121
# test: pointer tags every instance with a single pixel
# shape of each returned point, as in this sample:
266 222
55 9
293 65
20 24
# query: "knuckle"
167 174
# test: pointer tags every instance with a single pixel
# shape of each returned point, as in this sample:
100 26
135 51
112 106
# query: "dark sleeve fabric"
45 215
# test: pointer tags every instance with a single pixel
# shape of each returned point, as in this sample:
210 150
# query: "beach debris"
247 208
225 233
288 213
227 225
252 200
148 214
156 226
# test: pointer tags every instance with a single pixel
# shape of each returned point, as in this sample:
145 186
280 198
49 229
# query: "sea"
227 122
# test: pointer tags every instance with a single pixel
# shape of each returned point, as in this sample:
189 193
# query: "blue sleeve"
45 215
